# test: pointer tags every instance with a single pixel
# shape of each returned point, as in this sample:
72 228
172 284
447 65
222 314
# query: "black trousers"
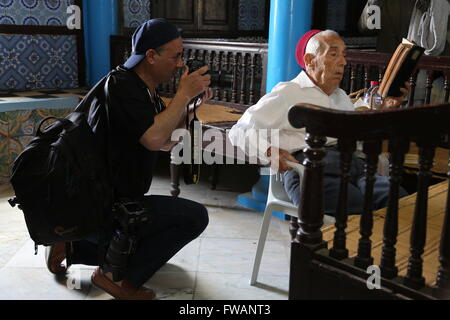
174 223
356 186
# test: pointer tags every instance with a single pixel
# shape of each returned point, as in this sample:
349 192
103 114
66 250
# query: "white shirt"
271 112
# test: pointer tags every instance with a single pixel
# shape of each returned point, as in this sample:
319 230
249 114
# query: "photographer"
141 125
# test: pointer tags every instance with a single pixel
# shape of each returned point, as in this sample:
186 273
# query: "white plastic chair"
277 200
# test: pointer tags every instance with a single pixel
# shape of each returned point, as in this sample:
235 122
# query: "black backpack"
62 179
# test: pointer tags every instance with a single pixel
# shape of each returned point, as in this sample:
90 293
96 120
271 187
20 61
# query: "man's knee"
199 218
291 183
203 218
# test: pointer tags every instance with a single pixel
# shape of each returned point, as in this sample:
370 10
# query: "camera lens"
117 255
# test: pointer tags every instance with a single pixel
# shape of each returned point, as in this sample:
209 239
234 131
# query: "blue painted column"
289 20
101 20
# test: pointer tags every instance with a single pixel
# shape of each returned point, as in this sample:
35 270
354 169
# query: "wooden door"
199 18
218 16
182 13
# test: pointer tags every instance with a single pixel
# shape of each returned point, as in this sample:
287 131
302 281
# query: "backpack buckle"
13 202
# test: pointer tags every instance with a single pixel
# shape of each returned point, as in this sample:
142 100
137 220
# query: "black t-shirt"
132 112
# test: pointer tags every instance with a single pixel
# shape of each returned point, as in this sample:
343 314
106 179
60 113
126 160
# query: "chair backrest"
276 188
428 127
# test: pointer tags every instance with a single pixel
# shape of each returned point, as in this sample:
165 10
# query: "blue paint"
248 200
100 22
289 20
31 104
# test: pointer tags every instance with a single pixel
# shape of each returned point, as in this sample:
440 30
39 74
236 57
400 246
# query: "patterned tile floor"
215 266
42 94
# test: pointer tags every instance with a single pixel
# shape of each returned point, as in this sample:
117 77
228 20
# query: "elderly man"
322 55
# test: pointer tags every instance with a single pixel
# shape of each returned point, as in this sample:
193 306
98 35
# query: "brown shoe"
125 291
54 256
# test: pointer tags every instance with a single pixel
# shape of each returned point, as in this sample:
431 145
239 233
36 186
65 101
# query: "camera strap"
191 171
157 101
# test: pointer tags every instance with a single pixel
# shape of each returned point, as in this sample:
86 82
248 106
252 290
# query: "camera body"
129 216
219 79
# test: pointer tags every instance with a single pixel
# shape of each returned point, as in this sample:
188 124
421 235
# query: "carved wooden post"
446 87
243 78
311 208
259 77
221 64
352 78
414 277
234 63
364 258
252 79
442 289
215 67
309 236
413 83
339 250
397 148
429 86
226 68
366 76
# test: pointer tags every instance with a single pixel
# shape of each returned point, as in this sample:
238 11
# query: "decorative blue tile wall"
135 12
252 14
38 61
34 12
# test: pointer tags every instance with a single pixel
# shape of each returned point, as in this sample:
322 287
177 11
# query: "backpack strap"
39 131
103 231
108 125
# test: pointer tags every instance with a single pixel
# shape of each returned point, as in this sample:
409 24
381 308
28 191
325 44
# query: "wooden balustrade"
244 65
363 67
347 277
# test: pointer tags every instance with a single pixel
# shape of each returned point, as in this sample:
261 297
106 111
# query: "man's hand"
193 84
278 158
393 102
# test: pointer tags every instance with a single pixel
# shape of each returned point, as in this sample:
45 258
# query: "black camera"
129 216
219 79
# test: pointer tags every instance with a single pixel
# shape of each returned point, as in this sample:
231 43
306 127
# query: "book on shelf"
400 68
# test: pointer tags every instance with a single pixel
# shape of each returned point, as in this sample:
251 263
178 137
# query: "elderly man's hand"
393 102
278 158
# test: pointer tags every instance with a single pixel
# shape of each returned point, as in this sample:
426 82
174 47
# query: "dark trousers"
174 223
356 186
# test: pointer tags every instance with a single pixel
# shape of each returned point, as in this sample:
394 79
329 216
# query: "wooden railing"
317 273
363 67
244 63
